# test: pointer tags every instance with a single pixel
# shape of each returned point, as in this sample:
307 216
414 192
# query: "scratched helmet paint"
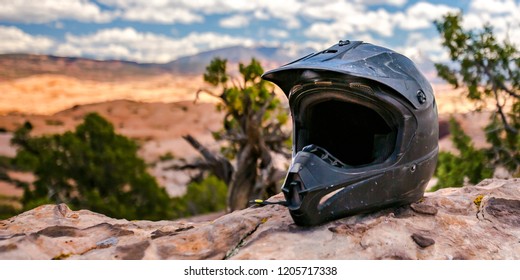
365 131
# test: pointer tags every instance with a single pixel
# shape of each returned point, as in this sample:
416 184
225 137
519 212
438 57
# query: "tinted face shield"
347 138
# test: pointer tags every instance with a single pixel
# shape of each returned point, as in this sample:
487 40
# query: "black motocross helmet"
365 131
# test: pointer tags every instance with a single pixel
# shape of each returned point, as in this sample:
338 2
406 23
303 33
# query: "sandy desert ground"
155 111
49 94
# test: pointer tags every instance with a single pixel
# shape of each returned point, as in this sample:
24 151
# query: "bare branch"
280 150
498 84
509 91
235 138
190 166
220 166
207 91
236 82
500 110
266 105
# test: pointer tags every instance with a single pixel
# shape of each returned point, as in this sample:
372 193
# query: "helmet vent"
330 51
362 87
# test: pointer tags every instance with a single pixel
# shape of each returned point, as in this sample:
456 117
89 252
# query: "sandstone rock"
422 241
423 208
476 222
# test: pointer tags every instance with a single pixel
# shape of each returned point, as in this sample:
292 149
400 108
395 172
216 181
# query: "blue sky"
163 30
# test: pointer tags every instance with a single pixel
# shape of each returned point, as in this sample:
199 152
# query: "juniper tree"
252 131
488 69
91 168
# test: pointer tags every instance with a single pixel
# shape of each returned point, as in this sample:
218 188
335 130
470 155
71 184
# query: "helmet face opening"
365 132
365 136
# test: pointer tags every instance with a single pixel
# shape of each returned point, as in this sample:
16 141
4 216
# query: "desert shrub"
7 210
54 122
91 168
206 196
167 156
252 132
487 69
471 164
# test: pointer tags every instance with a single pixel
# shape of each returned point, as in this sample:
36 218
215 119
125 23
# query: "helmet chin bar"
309 180
317 192
321 187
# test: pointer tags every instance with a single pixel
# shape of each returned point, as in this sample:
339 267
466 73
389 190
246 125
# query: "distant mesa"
13 66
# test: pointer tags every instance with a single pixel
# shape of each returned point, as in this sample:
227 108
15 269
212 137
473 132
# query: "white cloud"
14 40
355 22
493 6
261 15
292 23
164 15
158 11
68 50
422 49
278 33
502 15
473 20
286 11
329 31
129 44
197 8
209 40
397 3
421 15
328 21
59 25
379 21
30 11
332 10
236 21
218 6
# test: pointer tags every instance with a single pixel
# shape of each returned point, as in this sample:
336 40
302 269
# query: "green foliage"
90 168
9 205
7 210
488 70
252 131
206 196
216 72
5 163
471 163
167 156
54 122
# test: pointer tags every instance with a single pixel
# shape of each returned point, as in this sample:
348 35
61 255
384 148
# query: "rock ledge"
476 222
